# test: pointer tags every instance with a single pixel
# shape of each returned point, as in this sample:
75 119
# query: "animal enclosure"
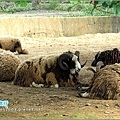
44 36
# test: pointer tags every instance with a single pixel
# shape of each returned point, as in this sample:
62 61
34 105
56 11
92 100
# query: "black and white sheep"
105 83
52 70
8 65
12 44
108 57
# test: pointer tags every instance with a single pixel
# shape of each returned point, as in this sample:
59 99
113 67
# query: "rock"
87 104
65 115
107 105
96 106
106 112
117 105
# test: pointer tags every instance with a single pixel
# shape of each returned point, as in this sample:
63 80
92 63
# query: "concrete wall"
57 27
90 25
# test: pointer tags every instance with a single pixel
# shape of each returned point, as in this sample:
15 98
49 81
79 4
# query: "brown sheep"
105 83
51 70
8 65
12 44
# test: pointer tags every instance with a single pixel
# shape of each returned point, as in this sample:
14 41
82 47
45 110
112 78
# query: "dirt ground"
61 103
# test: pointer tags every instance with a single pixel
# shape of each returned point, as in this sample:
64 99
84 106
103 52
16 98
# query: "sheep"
84 78
8 65
108 57
12 44
105 83
49 71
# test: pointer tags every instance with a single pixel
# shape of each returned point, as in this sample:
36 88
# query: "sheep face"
74 65
100 56
17 46
70 61
108 57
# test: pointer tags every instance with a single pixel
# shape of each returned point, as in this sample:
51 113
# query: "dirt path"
43 13
62 102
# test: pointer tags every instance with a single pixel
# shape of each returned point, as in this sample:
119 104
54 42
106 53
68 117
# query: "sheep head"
107 57
18 47
98 57
70 61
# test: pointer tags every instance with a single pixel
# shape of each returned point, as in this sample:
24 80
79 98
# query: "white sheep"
105 83
8 65
12 44
51 70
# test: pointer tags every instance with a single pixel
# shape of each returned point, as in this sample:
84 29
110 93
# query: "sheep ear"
116 50
98 54
0 46
77 53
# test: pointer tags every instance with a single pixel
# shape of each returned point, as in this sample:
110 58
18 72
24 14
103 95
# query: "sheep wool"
13 44
36 69
8 65
106 83
50 70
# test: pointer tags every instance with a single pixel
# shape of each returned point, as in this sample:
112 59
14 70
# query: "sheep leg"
85 88
84 95
51 80
84 92
70 81
37 85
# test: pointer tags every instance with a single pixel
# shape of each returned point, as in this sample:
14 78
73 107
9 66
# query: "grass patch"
84 9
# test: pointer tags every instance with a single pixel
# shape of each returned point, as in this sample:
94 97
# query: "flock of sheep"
60 70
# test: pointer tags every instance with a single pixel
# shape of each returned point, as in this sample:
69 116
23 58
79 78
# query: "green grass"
84 9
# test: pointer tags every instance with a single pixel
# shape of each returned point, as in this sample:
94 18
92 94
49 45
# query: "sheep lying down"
108 57
12 44
8 65
49 71
105 83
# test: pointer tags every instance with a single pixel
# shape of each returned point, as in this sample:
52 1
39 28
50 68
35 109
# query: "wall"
57 27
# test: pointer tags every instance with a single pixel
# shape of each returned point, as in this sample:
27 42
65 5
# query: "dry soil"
61 103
